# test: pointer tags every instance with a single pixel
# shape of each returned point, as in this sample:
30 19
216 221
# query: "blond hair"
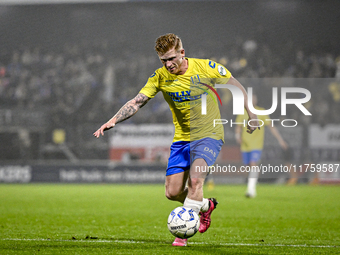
166 42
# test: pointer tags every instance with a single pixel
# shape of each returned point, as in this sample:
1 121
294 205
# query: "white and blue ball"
183 222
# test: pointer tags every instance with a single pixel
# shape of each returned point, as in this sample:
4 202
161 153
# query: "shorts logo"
210 151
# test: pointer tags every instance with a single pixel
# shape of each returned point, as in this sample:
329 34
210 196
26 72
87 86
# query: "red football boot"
205 219
180 242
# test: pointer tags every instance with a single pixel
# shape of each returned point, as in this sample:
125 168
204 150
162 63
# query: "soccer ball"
183 222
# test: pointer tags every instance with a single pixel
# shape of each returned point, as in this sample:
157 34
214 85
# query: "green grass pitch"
131 219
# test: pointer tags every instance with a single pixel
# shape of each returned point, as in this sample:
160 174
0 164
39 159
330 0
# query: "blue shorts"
183 153
251 156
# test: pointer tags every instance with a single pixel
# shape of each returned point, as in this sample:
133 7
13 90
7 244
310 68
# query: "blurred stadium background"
67 66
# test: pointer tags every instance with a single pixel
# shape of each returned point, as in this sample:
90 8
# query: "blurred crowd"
90 82
58 81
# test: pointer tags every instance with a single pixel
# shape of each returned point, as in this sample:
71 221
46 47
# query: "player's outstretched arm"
252 117
127 111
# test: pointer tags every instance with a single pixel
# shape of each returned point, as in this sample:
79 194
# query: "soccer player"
252 146
196 142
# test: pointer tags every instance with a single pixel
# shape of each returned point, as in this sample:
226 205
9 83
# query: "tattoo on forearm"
125 112
131 107
141 100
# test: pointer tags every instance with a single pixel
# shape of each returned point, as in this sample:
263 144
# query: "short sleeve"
151 88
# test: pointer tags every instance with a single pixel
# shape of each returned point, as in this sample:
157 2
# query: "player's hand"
104 127
254 124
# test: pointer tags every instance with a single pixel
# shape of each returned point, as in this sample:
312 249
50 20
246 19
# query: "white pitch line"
279 245
199 243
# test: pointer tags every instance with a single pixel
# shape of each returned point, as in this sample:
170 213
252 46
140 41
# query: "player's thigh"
175 183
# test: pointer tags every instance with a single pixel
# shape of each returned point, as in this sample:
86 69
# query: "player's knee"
171 194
